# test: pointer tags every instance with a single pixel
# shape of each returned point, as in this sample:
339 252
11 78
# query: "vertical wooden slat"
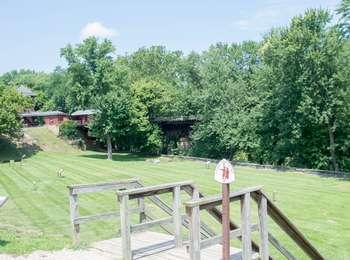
141 204
125 227
177 219
74 213
264 235
194 228
245 227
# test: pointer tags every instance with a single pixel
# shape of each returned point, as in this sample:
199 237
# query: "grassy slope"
37 217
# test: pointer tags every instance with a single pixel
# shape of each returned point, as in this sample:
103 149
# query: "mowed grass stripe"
298 194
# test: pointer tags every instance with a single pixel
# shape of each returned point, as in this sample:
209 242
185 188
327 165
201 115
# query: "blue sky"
34 31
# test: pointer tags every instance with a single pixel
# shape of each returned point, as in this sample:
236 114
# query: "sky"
33 31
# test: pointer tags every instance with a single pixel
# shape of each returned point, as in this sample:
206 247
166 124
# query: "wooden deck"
112 249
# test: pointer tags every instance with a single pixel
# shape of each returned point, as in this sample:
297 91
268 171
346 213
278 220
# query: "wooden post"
246 227
125 227
141 204
194 228
195 236
225 221
74 213
177 216
264 235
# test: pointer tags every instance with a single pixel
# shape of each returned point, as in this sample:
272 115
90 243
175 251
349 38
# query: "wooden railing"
144 213
140 193
193 210
265 208
201 235
75 190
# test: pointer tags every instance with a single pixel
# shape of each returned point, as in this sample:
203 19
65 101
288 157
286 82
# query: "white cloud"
97 29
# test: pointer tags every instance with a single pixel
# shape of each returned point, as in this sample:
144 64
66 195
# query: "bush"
68 129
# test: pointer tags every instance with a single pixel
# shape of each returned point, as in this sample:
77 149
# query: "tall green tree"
344 11
300 121
90 71
11 104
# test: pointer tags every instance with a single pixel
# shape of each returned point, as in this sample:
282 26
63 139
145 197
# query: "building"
83 117
176 131
25 91
49 118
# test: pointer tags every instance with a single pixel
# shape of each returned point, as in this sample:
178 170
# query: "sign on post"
224 174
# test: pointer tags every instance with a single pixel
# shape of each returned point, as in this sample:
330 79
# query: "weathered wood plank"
152 223
264 236
177 219
74 213
152 190
218 239
153 249
195 238
213 201
101 216
281 248
125 227
141 204
245 227
206 231
96 187
216 213
286 225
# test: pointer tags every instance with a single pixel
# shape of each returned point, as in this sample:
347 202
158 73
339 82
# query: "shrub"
68 130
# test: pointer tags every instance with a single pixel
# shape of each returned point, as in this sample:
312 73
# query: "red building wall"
55 120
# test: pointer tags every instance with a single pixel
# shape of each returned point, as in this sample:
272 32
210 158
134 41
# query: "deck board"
148 238
112 250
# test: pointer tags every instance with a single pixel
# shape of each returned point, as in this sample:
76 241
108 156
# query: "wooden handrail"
96 187
290 229
217 214
152 190
209 202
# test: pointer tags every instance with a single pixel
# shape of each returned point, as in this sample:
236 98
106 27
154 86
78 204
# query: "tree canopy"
284 100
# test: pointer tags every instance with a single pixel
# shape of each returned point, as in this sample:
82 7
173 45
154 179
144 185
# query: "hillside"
35 139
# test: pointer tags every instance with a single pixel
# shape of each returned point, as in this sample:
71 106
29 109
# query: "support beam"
245 227
177 218
264 235
125 227
142 214
194 228
74 214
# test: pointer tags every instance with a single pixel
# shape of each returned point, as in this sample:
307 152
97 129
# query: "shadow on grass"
3 242
10 150
123 157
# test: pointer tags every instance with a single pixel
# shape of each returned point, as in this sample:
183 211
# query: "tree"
11 103
344 11
228 102
300 118
113 122
90 71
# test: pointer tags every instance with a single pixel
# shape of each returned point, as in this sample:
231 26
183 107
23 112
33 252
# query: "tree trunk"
332 147
109 147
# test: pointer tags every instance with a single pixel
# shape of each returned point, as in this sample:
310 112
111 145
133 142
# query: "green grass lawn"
37 214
